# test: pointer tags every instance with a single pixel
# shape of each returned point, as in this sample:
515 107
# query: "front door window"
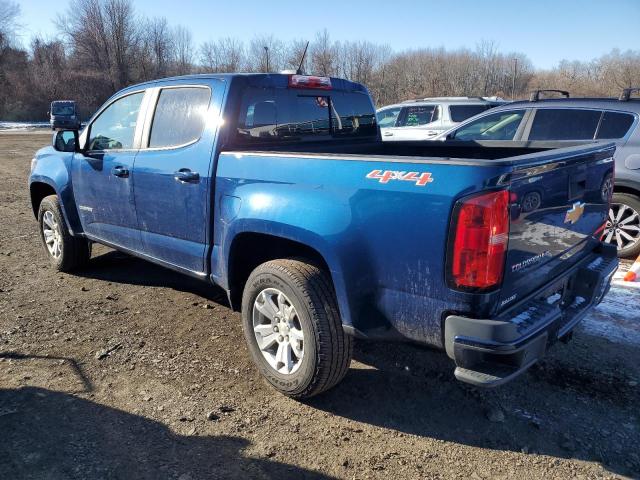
115 128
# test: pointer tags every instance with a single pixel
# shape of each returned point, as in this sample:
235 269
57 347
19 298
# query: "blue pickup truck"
278 189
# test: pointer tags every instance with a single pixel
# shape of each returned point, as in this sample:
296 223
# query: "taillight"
309 81
480 240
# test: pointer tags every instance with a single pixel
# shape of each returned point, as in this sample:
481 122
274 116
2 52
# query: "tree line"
102 46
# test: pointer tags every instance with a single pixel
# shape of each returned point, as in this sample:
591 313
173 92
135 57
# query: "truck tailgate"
558 207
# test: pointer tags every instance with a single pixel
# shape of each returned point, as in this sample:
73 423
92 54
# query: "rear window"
460 113
418 115
271 115
179 117
564 124
614 125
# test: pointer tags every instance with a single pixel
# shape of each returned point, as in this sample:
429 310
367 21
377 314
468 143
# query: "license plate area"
560 294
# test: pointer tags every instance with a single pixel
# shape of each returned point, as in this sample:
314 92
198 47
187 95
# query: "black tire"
75 251
327 349
633 202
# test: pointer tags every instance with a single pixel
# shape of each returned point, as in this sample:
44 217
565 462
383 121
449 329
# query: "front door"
102 173
173 173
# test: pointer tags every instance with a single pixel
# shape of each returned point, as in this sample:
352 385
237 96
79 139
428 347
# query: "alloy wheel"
623 226
52 236
278 331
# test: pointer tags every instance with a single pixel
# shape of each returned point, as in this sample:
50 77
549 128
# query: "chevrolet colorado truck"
278 189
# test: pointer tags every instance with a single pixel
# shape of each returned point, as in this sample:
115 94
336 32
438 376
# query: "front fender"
52 168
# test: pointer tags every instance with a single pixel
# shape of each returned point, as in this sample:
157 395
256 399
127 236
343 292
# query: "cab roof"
279 80
608 103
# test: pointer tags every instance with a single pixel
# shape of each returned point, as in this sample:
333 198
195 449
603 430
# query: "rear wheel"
623 225
65 252
293 329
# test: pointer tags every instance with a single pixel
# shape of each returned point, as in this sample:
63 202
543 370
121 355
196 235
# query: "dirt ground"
129 371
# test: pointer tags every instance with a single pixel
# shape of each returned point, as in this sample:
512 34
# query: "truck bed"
387 237
426 151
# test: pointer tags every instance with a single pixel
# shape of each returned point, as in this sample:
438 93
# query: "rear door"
173 172
563 124
558 210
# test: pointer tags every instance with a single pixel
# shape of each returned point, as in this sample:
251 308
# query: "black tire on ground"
75 251
327 349
632 201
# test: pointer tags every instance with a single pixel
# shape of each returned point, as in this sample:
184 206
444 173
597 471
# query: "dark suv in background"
64 114
547 122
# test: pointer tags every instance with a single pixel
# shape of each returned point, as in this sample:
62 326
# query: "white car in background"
425 118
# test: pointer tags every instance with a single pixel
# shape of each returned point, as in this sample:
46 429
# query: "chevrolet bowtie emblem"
574 213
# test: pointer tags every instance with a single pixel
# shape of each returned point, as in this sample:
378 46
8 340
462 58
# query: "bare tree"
266 53
9 13
155 49
104 45
323 54
183 50
224 55
102 36
295 51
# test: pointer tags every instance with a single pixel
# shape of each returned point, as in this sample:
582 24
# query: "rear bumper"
490 352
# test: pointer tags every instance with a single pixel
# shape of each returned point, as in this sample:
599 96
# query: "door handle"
119 171
388 134
185 175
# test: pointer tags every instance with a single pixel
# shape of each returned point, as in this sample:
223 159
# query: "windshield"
63 109
387 118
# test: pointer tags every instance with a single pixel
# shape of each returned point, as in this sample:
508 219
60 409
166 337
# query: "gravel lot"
127 370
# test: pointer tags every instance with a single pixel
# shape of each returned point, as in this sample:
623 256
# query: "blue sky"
546 31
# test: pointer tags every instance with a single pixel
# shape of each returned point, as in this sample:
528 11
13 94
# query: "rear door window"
497 126
179 117
564 124
416 116
614 125
459 113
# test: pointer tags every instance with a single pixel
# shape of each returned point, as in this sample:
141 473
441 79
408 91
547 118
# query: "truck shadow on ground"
554 409
47 434
114 266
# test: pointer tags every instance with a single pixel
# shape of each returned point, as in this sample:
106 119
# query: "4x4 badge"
419 178
574 213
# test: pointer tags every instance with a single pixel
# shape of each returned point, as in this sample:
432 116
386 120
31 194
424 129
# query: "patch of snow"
617 317
21 126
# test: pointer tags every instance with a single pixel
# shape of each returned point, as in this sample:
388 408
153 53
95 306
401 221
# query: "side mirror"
65 140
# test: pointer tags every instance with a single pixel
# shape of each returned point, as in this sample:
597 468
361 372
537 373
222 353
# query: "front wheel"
623 225
65 252
293 329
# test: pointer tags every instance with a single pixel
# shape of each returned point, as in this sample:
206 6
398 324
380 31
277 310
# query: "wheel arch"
42 187
617 188
248 249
